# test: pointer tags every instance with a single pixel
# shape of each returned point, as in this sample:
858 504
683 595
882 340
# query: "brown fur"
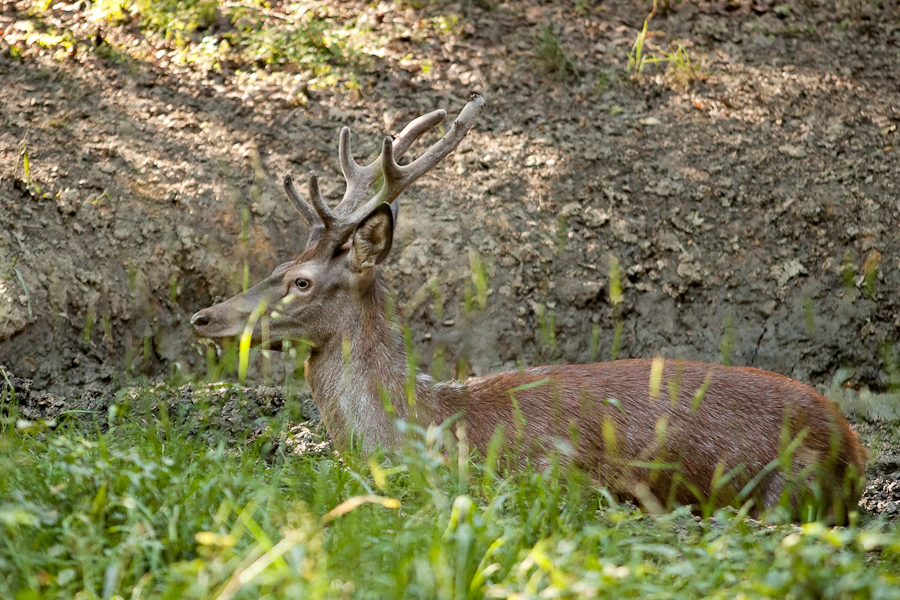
744 420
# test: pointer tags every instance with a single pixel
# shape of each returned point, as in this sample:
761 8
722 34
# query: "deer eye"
302 283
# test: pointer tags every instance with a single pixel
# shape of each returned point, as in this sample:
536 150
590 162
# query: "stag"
663 432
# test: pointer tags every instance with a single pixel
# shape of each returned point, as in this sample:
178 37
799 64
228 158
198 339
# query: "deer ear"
372 239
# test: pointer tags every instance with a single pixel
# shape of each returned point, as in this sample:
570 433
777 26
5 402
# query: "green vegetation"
304 45
681 70
160 505
551 56
205 33
637 58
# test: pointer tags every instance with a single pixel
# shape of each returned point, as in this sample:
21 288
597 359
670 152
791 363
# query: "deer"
660 432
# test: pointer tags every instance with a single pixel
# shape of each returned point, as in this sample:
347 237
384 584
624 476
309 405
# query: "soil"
239 415
753 213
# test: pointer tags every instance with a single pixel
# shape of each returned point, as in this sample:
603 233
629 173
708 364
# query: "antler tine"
325 214
349 167
416 127
393 173
355 175
390 169
299 203
398 178
360 178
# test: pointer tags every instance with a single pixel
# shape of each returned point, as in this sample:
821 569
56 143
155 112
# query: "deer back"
676 436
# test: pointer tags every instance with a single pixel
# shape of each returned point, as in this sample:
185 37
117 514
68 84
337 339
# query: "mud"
753 216
286 423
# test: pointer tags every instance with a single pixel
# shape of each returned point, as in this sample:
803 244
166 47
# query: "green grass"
204 34
681 70
162 505
303 46
551 56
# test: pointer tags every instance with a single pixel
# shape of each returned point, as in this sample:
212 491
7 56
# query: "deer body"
739 422
663 432
607 416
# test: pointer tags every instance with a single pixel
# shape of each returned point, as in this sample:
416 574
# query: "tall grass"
156 506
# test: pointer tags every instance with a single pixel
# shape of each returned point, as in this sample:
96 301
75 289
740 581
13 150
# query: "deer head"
323 291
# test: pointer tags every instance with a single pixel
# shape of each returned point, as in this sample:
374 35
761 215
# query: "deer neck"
360 379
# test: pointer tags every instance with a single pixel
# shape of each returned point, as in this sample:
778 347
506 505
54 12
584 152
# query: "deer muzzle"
214 323
227 319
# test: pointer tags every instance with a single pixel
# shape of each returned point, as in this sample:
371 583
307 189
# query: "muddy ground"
755 213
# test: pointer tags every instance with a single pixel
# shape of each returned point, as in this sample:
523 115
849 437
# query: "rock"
572 209
786 271
122 231
534 14
264 206
690 272
669 241
595 217
222 407
767 308
67 201
792 151
665 188
621 232
579 293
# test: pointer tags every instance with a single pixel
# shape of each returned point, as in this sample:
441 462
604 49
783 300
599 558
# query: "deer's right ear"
372 239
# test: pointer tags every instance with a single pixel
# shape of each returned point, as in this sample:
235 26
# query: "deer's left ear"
372 239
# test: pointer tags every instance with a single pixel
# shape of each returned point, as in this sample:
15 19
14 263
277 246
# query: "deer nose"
199 320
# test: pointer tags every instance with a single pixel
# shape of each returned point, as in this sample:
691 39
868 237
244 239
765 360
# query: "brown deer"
662 432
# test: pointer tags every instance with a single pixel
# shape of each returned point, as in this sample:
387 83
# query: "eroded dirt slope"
755 214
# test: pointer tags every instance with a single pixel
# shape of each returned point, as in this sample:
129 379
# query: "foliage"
681 70
210 34
317 45
551 56
154 508
637 58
